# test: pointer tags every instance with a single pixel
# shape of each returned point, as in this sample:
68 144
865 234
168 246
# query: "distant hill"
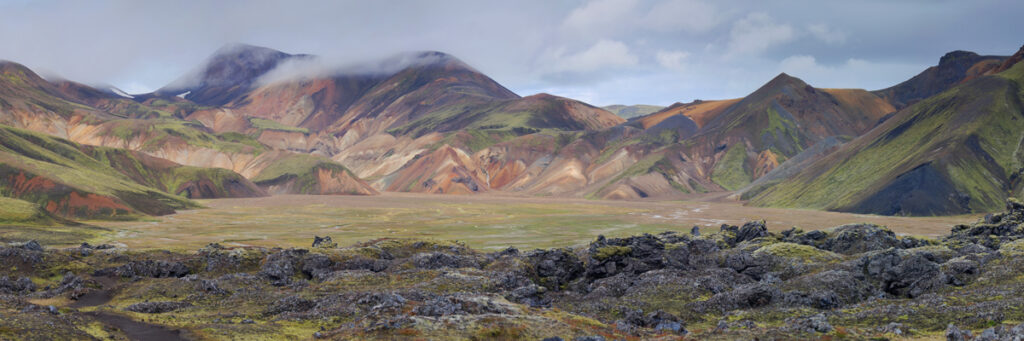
631 111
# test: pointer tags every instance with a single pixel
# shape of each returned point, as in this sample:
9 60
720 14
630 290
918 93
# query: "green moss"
805 253
18 211
732 172
265 124
606 252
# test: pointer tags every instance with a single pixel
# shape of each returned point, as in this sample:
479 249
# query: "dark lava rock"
147 268
632 255
955 334
70 283
828 290
290 304
378 302
555 268
157 307
324 242
440 306
659 320
362 263
589 338
281 266
749 231
531 294
15 255
902 273
316 265
959 271
745 296
437 260
31 245
22 285
817 323
755 266
994 229
860 238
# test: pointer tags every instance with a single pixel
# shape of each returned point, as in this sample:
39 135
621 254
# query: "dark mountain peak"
958 56
11 68
12 71
240 63
778 84
785 79
230 72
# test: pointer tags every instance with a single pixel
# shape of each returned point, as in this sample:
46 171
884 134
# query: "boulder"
279 267
438 260
20 286
555 268
147 268
157 307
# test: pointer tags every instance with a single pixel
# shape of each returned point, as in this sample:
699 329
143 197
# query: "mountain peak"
783 79
229 72
957 56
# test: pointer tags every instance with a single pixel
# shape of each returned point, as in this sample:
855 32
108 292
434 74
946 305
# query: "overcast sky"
599 51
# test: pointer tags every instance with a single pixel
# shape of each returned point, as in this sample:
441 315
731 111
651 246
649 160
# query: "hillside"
56 175
953 68
956 152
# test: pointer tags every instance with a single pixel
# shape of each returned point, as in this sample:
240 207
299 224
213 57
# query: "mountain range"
254 121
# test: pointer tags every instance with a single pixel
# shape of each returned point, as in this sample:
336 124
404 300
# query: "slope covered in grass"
957 152
82 182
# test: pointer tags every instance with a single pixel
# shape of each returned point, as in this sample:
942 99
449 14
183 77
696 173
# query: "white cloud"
852 73
827 34
685 15
600 16
603 54
756 33
672 60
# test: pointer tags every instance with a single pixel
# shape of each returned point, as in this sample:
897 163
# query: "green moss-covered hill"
74 181
956 152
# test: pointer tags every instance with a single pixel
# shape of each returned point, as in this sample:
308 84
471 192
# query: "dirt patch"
137 330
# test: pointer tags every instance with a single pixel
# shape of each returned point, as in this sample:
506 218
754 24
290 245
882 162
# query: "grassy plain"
488 222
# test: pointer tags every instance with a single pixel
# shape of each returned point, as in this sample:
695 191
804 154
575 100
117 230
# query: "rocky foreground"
741 282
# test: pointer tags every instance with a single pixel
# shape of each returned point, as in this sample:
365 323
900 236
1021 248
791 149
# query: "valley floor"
487 222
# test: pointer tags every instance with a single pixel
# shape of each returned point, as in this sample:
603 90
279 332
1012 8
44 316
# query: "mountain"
776 122
431 104
150 125
954 67
415 94
231 72
630 111
952 153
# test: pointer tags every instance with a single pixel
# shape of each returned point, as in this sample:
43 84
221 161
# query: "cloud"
756 33
599 17
672 60
853 73
827 34
682 15
602 55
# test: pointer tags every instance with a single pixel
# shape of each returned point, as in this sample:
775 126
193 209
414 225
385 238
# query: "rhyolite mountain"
155 127
428 122
955 152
